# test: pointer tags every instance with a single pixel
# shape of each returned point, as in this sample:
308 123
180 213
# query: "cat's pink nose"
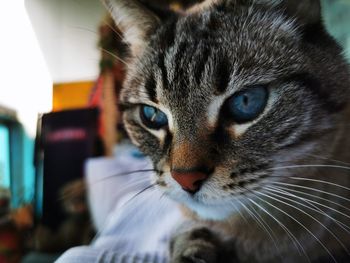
189 181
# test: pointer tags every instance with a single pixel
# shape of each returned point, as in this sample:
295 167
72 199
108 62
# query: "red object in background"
96 102
10 246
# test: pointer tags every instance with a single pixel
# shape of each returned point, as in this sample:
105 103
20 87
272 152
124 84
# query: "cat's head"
221 94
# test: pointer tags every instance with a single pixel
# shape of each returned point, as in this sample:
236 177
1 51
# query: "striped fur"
188 68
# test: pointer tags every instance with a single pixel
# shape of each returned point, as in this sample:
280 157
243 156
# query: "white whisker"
262 226
270 230
310 166
299 223
312 189
295 241
318 197
329 159
319 181
315 208
114 56
278 199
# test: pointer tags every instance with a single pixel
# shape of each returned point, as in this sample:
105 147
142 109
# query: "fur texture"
278 185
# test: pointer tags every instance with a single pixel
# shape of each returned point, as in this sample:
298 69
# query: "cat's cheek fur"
146 141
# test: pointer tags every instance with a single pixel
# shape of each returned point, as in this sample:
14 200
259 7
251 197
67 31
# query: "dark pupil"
245 100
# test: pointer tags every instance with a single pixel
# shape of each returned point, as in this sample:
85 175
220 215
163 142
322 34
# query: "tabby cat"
242 106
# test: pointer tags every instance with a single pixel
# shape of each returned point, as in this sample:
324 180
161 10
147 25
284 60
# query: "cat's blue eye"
248 104
152 117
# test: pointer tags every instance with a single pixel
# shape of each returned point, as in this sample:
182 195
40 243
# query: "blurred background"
61 70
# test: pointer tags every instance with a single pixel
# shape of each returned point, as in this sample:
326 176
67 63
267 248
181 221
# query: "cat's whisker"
163 194
277 194
329 159
295 241
238 210
298 222
124 174
270 230
278 199
309 166
318 197
128 202
318 181
139 193
311 189
313 207
260 223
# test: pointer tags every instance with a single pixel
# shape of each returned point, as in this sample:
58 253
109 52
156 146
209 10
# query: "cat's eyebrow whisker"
111 27
312 189
313 207
85 29
309 166
295 241
299 223
121 36
114 56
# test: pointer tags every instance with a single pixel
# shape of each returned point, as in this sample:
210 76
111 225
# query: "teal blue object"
4 156
336 15
16 161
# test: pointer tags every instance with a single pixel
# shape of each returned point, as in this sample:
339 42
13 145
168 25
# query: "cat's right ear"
135 21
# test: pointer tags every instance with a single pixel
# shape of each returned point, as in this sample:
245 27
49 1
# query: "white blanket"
132 227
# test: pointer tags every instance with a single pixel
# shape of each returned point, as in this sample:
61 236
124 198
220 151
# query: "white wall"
25 83
67 31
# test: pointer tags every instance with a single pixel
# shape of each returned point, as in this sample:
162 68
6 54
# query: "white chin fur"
210 212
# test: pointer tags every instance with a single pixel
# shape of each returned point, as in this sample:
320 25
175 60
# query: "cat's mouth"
214 200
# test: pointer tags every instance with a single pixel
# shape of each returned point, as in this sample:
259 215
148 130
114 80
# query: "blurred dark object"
68 138
5 197
75 230
13 225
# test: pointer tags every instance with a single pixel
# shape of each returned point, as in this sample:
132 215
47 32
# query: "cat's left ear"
307 12
135 20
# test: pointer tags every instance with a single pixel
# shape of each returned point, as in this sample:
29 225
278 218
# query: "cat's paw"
196 246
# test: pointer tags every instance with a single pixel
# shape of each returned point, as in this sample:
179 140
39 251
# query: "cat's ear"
307 12
135 21
203 6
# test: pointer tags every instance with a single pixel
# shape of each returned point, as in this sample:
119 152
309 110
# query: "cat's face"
220 97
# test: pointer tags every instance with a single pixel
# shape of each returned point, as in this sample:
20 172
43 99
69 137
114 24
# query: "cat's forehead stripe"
150 86
163 71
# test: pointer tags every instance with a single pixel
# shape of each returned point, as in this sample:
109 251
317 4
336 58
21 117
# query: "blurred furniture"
68 139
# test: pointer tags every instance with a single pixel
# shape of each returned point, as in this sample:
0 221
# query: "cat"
242 106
